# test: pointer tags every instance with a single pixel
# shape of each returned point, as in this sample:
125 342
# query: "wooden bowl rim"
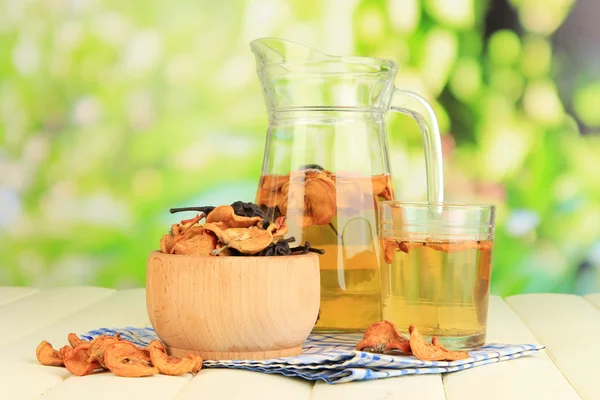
241 258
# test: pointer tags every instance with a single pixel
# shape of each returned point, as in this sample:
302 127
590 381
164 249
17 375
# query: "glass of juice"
437 269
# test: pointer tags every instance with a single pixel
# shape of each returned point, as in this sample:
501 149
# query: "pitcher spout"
297 76
272 50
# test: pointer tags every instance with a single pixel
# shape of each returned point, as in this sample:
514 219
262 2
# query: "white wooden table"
569 368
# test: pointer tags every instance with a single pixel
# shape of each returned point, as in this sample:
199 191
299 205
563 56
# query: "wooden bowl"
228 308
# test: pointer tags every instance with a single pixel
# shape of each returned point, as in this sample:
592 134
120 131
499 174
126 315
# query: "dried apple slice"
247 240
47 355
123 358
382 337
100 344
200 244
431 352
449 354
278 228
226 215
77 363
74 340
168 365
313 193
167 242
216 228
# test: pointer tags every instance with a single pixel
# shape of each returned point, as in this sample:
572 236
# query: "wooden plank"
531 377
27 380
43 308
247 385
9 294
426 387
108 386
18 363
594 299
568 325
123 308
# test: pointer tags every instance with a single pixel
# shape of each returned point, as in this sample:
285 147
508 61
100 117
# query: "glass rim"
445 205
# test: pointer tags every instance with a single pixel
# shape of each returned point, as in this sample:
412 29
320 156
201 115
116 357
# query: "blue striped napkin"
334 359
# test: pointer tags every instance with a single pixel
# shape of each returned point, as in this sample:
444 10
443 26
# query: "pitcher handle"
418 108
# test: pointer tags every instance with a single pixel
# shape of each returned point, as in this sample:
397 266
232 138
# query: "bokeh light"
112 112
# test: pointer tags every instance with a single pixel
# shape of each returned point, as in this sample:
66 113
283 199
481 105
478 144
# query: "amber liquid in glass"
336 212
442 287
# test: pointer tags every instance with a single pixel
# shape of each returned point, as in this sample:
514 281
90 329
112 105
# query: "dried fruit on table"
65 350
383 337
77 362
47 355
99 345
168 365
226 215
432 352
449 354
198 363
123 358
74 340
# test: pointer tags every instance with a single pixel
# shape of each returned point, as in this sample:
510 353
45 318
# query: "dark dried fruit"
273 212
306 248
247 209
311 166
281 248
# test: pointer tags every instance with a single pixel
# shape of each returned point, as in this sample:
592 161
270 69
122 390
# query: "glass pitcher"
326 166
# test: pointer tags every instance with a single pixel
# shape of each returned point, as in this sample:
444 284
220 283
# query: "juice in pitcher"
335 212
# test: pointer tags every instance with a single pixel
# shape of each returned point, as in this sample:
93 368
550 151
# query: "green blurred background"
113 111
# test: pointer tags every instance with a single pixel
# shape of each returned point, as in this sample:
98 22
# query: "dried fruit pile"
121 357
313 195
384 337
230 230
